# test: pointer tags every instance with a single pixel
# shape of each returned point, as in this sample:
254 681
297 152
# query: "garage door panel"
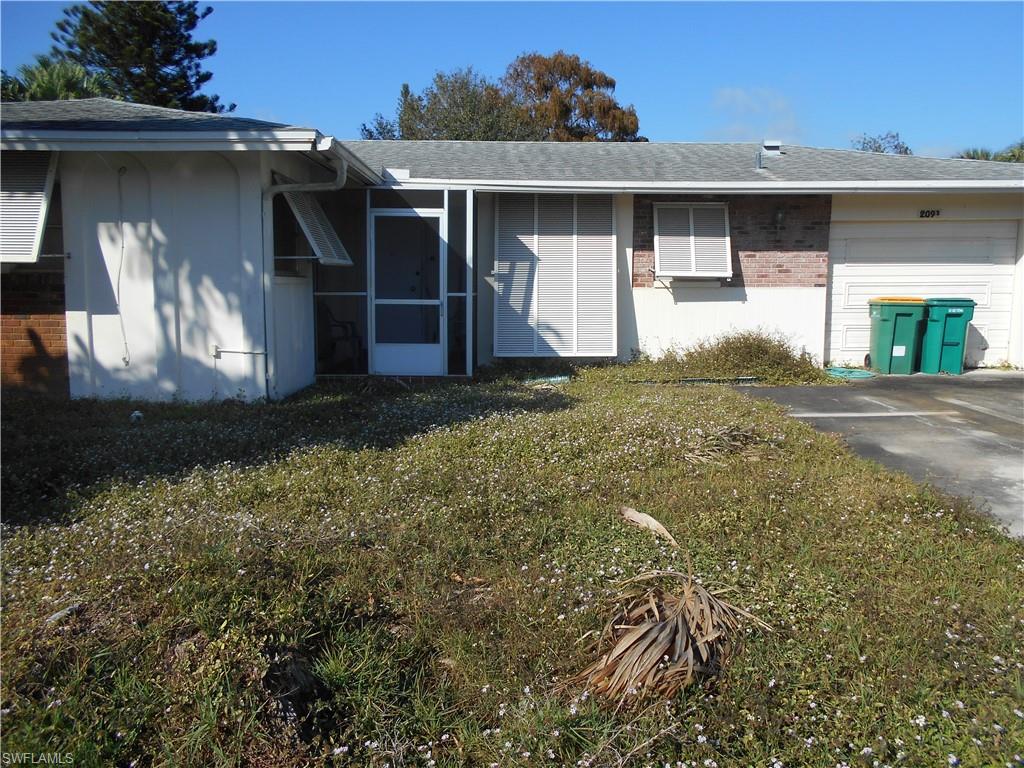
930 230
974 260
856 293
933 253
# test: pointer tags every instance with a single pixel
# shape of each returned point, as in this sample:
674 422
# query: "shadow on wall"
163 273
976 344
703 291
41 371
49 450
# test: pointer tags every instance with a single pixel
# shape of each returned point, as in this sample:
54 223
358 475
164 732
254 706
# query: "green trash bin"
895 333
945 335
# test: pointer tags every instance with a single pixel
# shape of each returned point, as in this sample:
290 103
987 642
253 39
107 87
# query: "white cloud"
752 114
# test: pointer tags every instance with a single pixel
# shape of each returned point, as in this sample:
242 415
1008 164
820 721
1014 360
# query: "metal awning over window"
26 183
317 228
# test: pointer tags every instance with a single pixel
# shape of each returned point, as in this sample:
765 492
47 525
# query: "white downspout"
325 144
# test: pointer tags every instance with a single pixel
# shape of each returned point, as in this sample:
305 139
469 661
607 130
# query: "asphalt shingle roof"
515 161
110 115
662 162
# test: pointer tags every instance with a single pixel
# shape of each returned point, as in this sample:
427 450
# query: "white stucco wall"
294 353
144 309
676 318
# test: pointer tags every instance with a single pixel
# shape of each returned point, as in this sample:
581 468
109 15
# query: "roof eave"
369 176
725 187
159 141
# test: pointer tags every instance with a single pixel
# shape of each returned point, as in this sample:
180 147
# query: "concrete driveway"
964 434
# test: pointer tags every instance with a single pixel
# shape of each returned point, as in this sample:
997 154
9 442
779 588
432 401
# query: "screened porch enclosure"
402 307
441 280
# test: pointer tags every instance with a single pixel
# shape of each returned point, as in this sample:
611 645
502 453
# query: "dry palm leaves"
659 642
643 520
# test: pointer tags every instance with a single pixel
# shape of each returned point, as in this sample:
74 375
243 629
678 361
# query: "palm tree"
1012 154
53 80
975 153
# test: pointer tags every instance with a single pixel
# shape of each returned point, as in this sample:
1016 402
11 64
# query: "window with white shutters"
26 183
317 228
692 240
554 272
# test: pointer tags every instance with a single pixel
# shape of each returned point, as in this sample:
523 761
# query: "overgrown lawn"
369 575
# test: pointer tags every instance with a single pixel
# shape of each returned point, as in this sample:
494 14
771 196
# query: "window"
319 232
692 240
554 273
25 191
290 245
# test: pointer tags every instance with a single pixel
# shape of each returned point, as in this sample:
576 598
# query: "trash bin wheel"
867 360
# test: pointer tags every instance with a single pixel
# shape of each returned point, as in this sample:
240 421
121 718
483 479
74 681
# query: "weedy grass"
370 575
771 358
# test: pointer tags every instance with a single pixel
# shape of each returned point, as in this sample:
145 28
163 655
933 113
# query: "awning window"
26 184
317 228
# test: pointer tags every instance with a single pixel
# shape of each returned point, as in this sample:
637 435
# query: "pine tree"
145 50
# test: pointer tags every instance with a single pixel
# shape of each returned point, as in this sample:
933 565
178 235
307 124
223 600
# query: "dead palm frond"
659 641
643 520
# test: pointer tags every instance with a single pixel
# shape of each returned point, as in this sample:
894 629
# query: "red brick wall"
793 254
33 334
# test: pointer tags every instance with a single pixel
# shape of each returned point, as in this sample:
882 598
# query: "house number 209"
931 214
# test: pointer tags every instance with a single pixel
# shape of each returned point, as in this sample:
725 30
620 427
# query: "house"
156 254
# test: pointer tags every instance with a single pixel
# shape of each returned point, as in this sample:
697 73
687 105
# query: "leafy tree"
146 50
49 80
553 98
889 143
459 105
569 100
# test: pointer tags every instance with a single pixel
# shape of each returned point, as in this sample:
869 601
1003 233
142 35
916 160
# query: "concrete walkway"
964 434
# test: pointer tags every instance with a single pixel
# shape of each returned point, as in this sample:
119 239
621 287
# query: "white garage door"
973 260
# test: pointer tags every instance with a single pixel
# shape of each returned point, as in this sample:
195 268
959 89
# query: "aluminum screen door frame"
409 359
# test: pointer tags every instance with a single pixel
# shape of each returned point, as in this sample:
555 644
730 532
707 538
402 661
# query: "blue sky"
945 75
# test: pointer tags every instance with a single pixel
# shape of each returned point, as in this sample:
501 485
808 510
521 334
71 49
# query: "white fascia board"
160 141
760 187
331 145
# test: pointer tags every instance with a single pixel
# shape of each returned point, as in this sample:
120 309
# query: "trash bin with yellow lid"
896 330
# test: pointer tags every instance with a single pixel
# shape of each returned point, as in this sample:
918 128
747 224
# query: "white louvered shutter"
515 266
595 282
692 241
556 278
554 273
318 230
711 242
673 244
26 182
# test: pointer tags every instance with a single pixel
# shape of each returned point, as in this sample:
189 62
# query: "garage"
951 247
